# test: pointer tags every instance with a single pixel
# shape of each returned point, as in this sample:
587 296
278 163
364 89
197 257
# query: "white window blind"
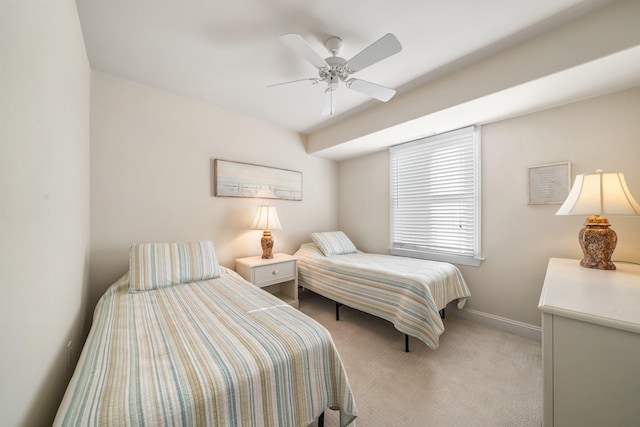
435 197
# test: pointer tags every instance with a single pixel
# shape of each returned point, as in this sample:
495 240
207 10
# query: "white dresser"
591 345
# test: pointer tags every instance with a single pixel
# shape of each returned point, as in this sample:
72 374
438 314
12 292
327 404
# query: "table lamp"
266 219
598 194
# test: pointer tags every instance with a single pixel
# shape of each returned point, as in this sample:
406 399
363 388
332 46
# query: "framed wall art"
549 184
236 179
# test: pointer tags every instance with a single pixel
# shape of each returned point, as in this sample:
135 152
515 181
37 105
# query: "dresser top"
605 297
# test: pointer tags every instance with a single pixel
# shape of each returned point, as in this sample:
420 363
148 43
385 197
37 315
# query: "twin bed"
411 293
180 340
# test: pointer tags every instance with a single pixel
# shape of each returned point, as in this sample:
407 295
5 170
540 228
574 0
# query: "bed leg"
321 420
406 343
442 313
338 310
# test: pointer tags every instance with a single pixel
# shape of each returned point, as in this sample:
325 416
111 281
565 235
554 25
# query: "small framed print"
549 184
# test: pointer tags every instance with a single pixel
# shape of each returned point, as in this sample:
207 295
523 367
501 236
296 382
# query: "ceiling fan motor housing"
336 70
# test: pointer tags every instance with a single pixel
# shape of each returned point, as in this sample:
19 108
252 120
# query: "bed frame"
406 337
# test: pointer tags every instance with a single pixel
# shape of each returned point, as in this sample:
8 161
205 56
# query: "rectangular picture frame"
549 183
238 179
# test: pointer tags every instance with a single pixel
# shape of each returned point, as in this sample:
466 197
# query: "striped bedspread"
219 352
408 292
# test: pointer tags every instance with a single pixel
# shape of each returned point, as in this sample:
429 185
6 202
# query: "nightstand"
278 276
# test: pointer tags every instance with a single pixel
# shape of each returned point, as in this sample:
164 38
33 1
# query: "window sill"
453 259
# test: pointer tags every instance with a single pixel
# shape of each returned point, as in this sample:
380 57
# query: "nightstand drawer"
274 273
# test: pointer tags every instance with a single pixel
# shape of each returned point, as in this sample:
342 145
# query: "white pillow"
158 265
333 243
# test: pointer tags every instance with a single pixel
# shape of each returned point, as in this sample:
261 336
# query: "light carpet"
479 376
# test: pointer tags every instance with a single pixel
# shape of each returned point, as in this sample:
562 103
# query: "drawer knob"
275 272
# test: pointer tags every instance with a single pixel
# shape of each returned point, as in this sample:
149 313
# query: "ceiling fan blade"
302 82
386 46
329 101
302 48
381 93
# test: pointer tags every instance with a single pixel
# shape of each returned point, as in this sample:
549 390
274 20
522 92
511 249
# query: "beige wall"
517 239
151 177
44 204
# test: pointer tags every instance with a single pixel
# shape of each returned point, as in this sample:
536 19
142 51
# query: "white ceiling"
227 53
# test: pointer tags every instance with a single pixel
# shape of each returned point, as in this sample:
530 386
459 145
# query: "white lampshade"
599 194
266 219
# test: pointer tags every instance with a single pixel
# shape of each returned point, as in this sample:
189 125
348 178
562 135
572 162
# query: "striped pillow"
158 265
333 243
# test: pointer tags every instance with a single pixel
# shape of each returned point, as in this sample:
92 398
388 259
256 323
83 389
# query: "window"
435 197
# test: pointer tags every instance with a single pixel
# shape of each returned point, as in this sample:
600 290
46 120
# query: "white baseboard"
512 326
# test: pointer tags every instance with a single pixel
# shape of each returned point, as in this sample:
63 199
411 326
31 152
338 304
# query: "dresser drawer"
274 273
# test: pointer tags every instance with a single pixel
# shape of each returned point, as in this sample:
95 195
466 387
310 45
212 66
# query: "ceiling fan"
334 69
